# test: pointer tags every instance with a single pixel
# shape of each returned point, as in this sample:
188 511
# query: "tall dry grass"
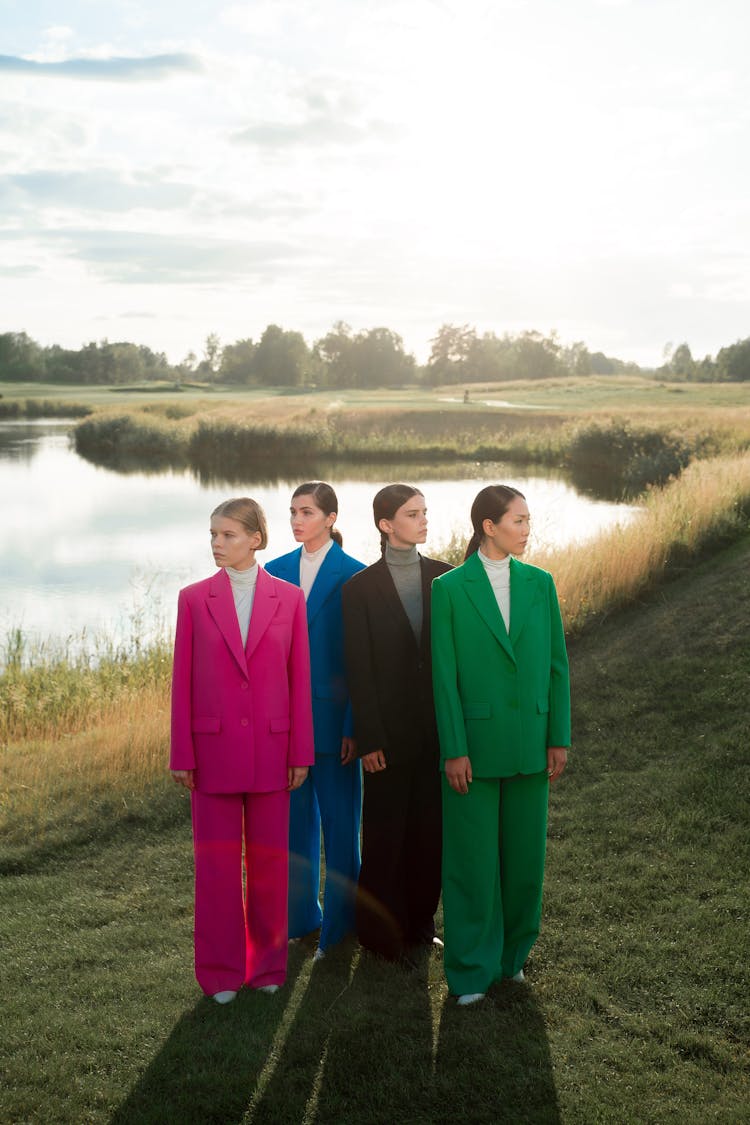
708 504
57 777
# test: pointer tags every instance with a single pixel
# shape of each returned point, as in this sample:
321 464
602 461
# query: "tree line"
369 359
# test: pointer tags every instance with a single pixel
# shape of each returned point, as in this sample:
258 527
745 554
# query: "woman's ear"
385 526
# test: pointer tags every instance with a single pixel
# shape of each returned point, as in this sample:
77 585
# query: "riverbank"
634 1009
51 703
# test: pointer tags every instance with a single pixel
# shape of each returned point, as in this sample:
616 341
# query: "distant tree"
733 362
601 364
333 354
21 358
489 359
451 348
576 358
682 362
209 365
280 359
536 356
237 362
380 359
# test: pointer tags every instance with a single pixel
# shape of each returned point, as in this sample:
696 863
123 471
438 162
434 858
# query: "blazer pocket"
477 711
278 726
206 726
542 706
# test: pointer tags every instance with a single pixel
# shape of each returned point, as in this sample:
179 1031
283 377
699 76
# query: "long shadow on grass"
214 1061
492 1062
360 1049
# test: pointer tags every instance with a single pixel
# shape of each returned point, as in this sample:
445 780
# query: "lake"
88 553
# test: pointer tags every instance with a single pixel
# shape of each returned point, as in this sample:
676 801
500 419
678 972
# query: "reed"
47 694
706 506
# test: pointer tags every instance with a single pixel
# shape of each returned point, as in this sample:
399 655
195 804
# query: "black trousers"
399 883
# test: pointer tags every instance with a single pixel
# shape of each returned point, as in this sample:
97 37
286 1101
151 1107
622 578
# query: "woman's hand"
348 751
373 762
184 777
296 775
458 772
557 758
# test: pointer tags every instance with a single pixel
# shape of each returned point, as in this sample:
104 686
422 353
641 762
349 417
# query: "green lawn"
636 1008
574 395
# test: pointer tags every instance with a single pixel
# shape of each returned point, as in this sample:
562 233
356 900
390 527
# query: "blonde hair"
248 512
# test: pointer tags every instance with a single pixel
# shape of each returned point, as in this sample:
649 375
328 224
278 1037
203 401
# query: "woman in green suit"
502 700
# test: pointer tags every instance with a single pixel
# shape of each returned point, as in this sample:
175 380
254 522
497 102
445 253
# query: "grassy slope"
637 1004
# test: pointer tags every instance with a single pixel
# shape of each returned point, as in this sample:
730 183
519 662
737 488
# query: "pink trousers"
240 933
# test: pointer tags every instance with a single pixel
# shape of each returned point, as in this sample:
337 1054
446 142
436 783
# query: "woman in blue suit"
332 795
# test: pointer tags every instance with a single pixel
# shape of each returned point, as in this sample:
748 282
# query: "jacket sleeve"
182 755
558 732
301 742
369 729
448 709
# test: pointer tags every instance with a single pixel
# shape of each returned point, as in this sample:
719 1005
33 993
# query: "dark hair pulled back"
325 499
490 504
387 502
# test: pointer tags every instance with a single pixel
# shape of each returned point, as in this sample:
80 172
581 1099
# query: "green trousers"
494 841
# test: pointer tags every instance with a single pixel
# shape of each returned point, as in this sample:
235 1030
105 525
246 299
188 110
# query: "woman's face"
310 525
510 534
232 544
409 525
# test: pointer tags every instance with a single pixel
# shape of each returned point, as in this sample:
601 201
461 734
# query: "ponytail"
473 545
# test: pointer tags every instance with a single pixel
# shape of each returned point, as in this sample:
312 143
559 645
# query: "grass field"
594 392
636 1006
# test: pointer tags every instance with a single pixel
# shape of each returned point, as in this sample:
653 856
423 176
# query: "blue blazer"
330 699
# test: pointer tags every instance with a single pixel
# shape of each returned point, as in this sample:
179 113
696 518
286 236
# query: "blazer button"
244 722
244 685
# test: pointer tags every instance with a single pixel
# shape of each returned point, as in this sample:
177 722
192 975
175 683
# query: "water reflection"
86 551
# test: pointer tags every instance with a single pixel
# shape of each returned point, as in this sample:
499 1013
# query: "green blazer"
503 700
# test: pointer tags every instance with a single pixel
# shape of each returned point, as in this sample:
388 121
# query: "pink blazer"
241 717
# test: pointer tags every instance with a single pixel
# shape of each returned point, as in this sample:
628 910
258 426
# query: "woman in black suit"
387 644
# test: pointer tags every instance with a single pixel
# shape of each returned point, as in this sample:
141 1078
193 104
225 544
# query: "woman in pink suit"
242 739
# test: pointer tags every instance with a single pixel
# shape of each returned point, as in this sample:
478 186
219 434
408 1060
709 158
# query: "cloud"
315 131
97 189
113 69
140 257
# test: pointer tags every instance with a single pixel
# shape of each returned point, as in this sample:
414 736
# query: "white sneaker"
319 954
470 998
518 977
268 988
224 997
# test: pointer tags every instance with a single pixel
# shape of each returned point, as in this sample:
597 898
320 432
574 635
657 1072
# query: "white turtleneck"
498 572
243 591
310 563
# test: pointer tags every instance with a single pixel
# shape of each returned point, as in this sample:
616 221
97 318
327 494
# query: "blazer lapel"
481 595
289 571
326 580
265 603
221 606
426 608
522 590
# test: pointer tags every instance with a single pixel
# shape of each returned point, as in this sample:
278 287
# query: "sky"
174 169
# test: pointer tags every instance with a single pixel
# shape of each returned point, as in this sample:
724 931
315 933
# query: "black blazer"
389 675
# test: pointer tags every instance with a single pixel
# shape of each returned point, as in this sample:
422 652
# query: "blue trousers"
331 800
